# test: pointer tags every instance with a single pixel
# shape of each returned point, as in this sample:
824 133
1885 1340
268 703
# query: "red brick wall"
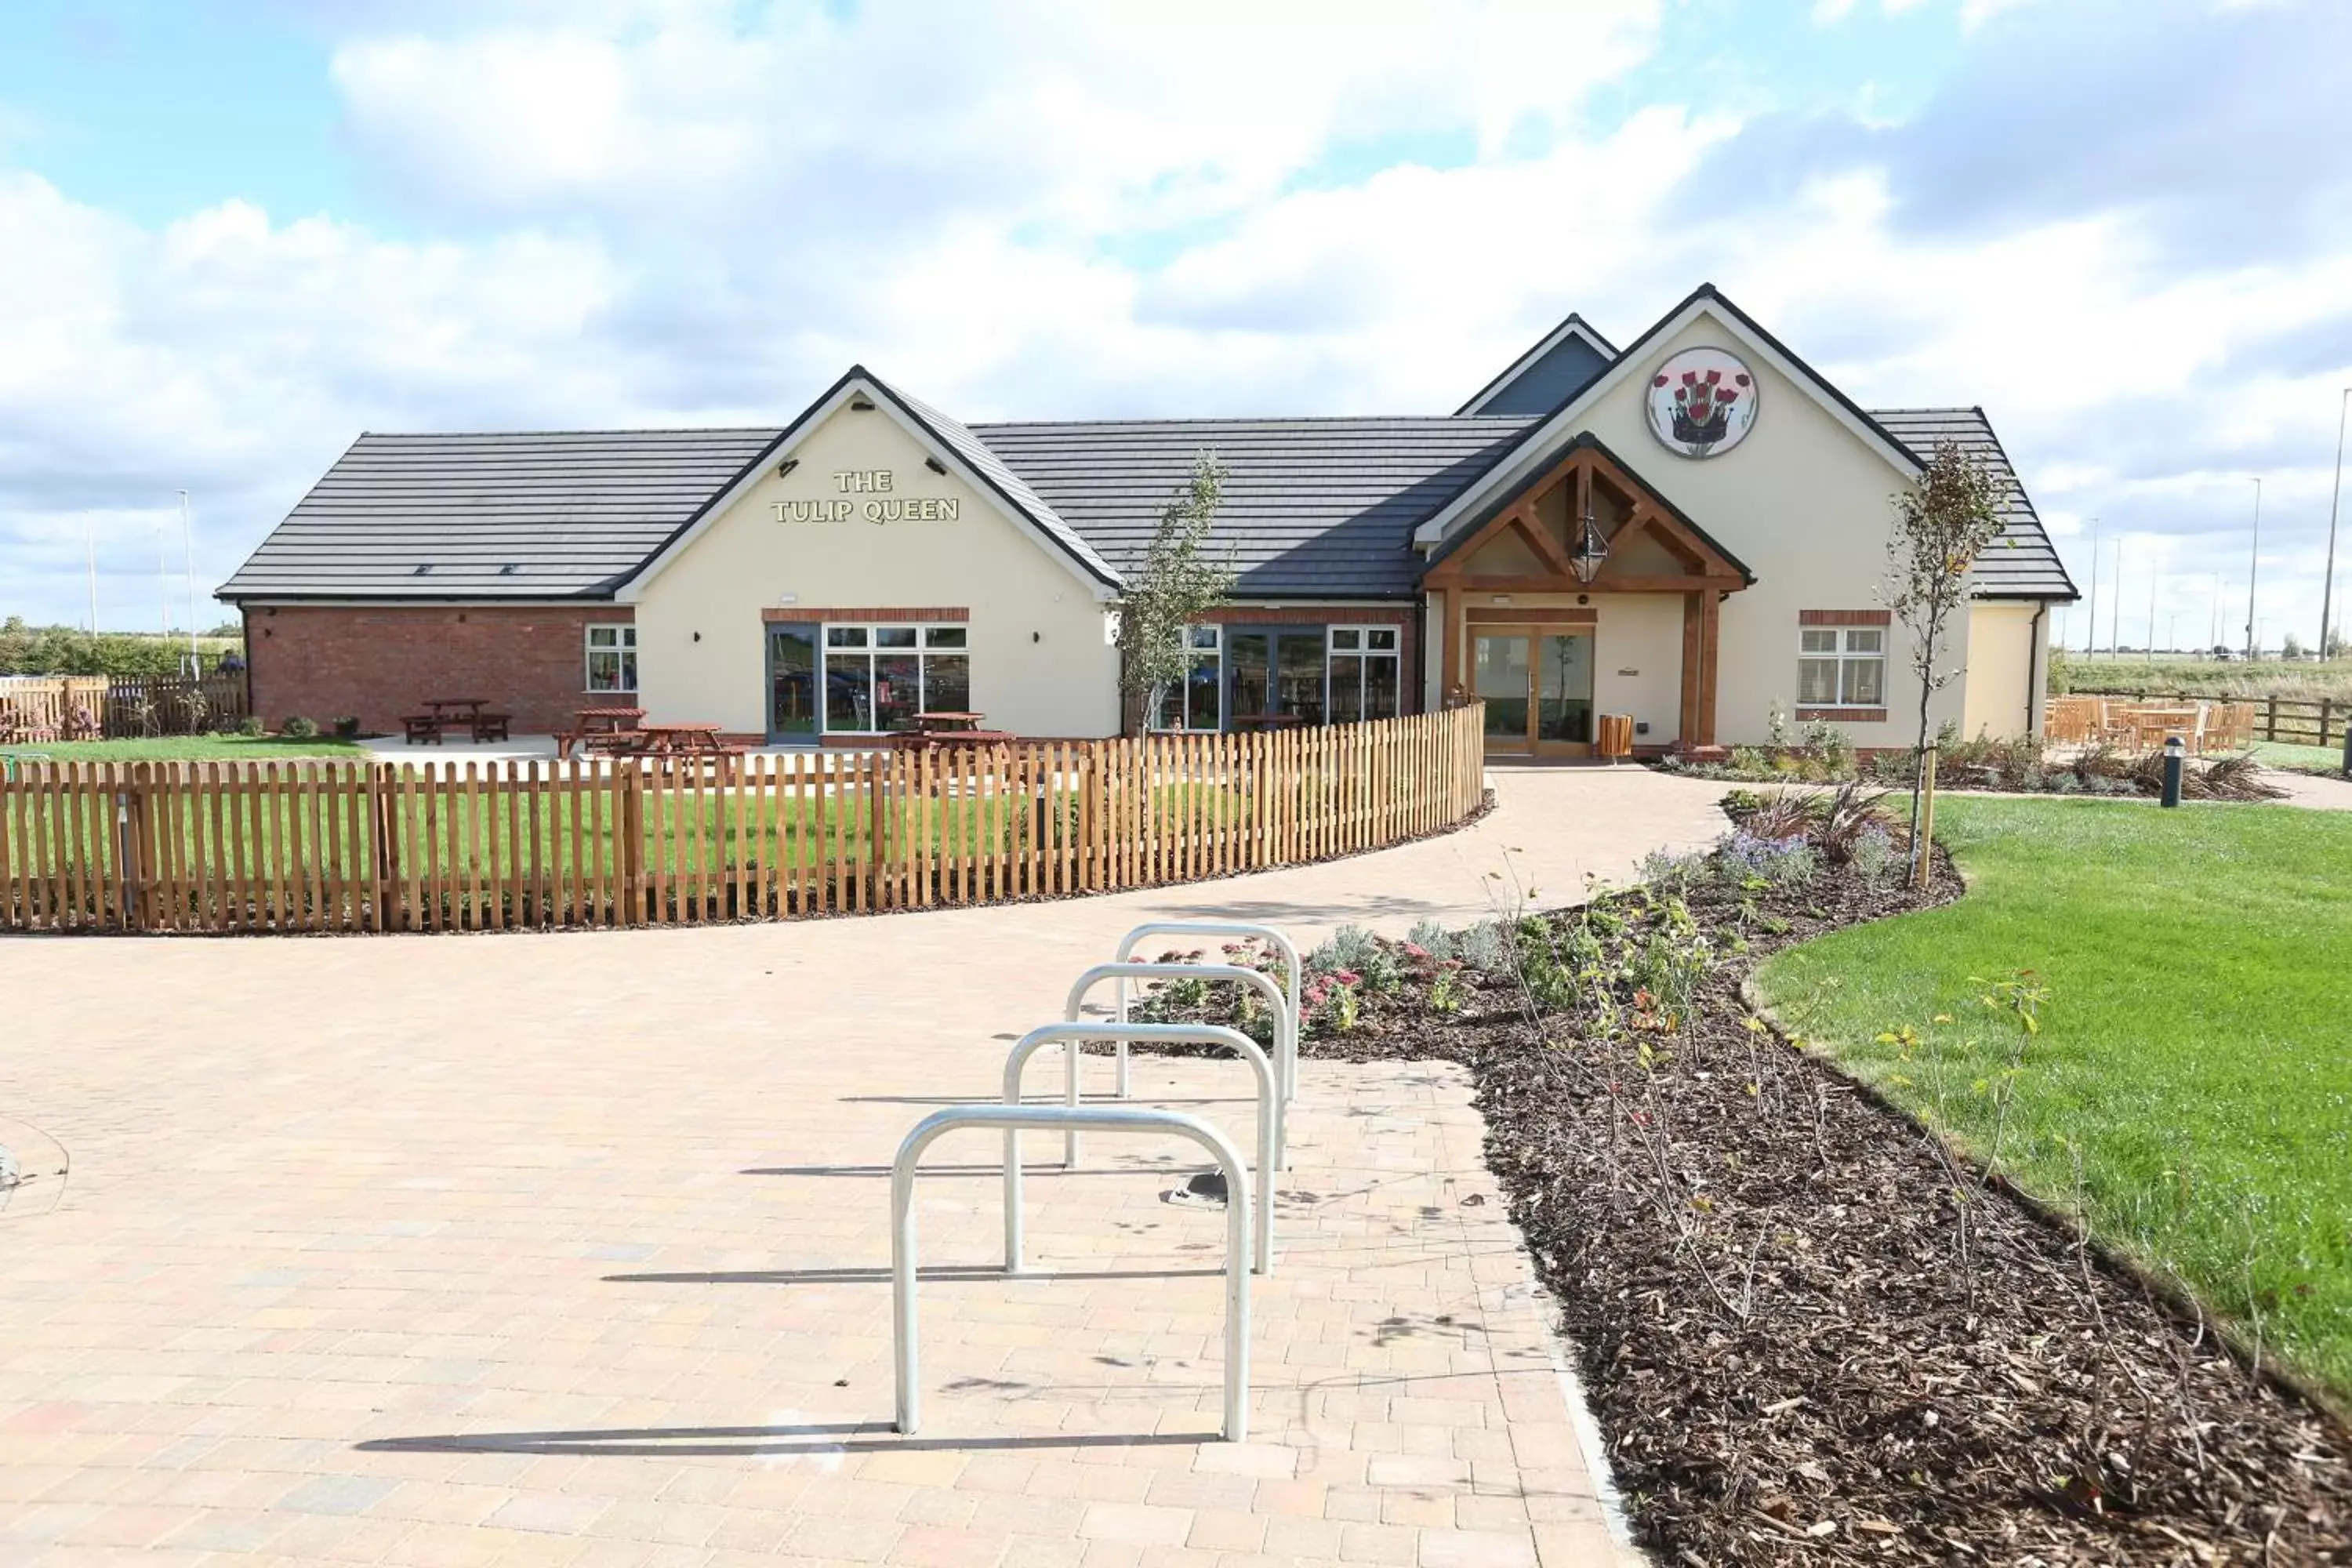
323 662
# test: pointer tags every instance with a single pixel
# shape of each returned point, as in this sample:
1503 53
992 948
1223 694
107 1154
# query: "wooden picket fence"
40 709
330 847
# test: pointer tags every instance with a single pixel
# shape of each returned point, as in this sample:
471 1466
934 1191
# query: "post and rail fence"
215 847
2296 720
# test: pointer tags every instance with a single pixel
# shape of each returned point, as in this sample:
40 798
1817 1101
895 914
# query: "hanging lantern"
1591 550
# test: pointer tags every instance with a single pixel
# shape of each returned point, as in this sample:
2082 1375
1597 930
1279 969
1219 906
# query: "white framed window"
1842 667
881 679
1198 701
612 659
1364 673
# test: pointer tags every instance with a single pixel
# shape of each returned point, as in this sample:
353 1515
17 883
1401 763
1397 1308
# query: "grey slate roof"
1313 508
990 468
2023 563
571 510
1546 376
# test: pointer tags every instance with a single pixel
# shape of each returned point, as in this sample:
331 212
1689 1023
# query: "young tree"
1941 525
1178 583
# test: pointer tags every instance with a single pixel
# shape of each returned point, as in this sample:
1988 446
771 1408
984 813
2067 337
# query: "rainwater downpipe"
2034 663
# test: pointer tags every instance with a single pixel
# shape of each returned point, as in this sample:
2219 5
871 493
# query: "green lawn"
2196 1045
189 749
2303 758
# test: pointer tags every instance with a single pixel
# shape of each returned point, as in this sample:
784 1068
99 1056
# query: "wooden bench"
424 729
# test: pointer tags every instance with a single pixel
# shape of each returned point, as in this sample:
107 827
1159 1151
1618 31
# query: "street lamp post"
2253 564
2335 501
2090 637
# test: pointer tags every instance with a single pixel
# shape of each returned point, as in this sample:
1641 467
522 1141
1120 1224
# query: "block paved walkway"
572 1250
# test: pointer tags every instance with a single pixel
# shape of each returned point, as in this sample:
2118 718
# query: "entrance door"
791 685
1538 688
1500 677
1563 693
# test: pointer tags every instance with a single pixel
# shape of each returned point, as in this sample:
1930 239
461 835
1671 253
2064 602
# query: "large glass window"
1298 677
1363 673
881 679
612 659
1842 667
792 682
1197 701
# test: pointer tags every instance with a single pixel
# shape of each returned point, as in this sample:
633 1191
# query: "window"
612 659
881 679
1363 673
1196 702
1842 667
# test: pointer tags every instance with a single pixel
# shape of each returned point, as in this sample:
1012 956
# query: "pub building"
1689 530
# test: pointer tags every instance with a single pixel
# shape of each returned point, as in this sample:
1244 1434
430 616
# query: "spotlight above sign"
1702 403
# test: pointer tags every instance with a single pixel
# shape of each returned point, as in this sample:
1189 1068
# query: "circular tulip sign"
1702 403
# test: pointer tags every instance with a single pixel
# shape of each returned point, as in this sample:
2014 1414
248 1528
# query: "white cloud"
655 213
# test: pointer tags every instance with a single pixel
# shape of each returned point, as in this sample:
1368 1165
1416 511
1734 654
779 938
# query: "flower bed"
1811 1333
1822 755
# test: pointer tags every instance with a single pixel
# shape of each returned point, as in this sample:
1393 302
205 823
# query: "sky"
234 233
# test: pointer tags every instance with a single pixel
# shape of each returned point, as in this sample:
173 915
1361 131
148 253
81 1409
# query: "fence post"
877 775
629 840
2325 705
2270 720
126 857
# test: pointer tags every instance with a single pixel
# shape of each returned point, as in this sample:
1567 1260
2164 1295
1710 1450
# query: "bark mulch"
1793 1354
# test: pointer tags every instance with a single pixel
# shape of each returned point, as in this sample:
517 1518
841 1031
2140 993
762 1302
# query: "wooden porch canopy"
1527 544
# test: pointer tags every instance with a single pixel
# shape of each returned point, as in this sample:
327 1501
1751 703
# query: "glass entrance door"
1499 678
1564 689
1538 688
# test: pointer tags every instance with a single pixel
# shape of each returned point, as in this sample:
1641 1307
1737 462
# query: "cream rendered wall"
1039 662
1640 632
1803 501
2002 657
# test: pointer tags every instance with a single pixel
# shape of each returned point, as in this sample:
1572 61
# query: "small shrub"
1746 856
1485 947
251 725
347 726
1871 855
1668 875
1432 939
297 728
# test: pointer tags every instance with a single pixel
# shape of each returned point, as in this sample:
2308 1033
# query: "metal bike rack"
1285 1020
1108 1119
1282 944
1269 1113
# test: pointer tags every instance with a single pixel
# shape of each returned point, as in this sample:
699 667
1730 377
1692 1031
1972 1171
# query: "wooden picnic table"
682 741
1267 722
446 711
599 729
950 720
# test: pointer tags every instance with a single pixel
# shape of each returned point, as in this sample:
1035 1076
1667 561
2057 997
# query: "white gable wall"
1040 664
1803 500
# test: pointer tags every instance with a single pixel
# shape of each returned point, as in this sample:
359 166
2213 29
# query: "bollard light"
2174 752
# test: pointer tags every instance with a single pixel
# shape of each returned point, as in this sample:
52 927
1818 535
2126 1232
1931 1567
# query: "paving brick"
508 1264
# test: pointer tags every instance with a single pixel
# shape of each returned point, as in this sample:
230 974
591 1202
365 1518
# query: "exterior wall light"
1591 550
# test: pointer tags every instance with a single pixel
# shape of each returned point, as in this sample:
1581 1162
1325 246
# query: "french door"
1537 689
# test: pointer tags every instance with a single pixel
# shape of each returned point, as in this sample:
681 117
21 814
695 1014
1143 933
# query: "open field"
2132 674
2191 1089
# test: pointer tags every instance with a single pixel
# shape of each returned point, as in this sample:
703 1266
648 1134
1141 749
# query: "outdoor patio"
573 1249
